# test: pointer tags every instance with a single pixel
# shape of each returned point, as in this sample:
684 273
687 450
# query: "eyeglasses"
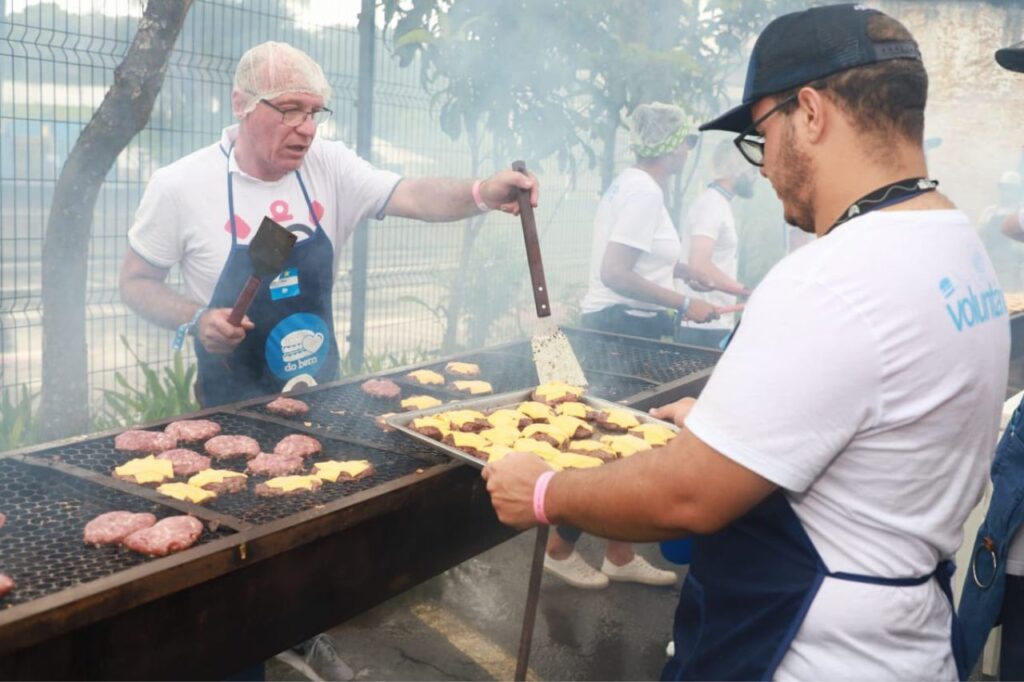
296 117
750 144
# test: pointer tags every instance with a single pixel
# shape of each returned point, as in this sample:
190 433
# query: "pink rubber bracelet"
539 490
479 199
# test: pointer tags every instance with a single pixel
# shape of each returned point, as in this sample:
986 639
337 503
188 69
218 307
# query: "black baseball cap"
1012 57
802 47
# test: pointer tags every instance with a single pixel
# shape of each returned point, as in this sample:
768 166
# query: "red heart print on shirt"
242 229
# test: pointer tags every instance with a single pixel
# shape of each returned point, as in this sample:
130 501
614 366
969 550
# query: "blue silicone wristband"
186 329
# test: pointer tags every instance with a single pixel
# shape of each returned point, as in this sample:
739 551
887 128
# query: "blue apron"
293 341
981 601
749 588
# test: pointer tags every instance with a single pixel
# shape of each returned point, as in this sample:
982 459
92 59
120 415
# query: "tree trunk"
64 407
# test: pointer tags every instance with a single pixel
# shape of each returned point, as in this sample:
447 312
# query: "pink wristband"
479 199
540 488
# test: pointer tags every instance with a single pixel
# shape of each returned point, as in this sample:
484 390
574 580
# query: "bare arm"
683 488
701 248
617 274
446 199
144 289
1012 228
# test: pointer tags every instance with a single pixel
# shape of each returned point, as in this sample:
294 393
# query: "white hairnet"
271 69
1011 178
657 129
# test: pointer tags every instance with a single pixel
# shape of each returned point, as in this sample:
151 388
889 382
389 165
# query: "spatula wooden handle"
540 285
244 300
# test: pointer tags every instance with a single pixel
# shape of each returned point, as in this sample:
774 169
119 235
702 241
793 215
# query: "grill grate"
41 546
656 362
99 455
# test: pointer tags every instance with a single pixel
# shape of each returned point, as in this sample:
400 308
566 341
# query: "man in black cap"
994 589
836 451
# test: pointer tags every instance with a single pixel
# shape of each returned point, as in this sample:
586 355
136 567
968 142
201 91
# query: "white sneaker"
670 650
638 571
575 571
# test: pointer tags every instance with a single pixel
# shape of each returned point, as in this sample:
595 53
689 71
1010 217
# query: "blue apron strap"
794 626
312 212
231 197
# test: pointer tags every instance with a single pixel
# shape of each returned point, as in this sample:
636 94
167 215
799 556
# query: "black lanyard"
890 194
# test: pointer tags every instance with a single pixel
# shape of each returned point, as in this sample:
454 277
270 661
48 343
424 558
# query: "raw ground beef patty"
381 388
144 441
193 430
298 444
185 462
287 407
266 464
230 447
3 520
113 527
171 534
6 585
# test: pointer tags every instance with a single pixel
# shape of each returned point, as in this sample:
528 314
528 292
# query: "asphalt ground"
465 625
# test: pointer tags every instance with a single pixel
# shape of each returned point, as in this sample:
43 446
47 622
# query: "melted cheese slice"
185 492
420 402
421 423
426 377
290 483
463 368
546 430
571 426
501 435
459 418
627 445
147 469
474 387
622 419
655 434
538 447
569 460
585 446
495 452
572 409
332 470
557 389
506 417
535 410
461 439
213 476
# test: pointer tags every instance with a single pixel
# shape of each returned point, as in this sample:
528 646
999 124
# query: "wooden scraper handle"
540 285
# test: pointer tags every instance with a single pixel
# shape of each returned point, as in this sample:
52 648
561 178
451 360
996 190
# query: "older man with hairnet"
635 252
200 214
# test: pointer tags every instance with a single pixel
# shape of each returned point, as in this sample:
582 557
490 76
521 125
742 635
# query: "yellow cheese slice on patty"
569 460
626 445
461 439
547 430
464 368
572 409
290 483
474 387
459 418
537 447
420 402
506 417
495 452
332 470
147 469
557 389
535 410
421 423
501 435
426 377
571 426
622 419
655 434
208 476
185 492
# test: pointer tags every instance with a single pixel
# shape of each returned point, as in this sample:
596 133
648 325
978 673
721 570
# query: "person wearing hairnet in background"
1005 255
201 212
993 591
635 251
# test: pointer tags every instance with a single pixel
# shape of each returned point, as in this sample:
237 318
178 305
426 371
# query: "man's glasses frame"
293 118
750 143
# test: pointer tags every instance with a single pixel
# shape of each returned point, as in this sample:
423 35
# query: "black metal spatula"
268 252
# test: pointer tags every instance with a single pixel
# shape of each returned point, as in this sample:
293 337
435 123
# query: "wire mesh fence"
56 63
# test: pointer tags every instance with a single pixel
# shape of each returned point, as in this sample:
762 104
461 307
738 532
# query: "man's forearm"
437 199
157 302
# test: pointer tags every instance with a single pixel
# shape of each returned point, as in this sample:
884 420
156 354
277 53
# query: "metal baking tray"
493 402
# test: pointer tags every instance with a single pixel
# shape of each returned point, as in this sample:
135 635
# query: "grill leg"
532 595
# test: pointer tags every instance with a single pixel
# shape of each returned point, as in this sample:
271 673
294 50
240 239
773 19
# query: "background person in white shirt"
829 464
711 244
635 250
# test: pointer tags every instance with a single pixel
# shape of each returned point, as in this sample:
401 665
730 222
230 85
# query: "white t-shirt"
711 216
183 216
632 212
867 380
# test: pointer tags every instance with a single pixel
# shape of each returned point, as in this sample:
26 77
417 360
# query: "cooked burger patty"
3 520
267 464
193 430
144 442
287 407
230 447
298 444
113 527
172 534
268 489
6 585
185 462
381 388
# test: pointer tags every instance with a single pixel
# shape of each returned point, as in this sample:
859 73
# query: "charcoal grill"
307 561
